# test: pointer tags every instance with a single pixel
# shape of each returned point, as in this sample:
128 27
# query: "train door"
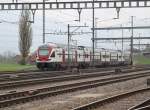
105 56
90 56
63 56
100 57
76 56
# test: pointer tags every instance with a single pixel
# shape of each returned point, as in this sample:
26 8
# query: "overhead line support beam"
141 44
75 5
117 28
124 38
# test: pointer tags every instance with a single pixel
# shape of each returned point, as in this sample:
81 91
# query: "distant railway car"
55 56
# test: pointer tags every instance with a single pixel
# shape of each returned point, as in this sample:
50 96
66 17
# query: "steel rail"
26 96
142 106
110 99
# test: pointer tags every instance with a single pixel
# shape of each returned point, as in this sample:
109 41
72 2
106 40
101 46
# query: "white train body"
55 56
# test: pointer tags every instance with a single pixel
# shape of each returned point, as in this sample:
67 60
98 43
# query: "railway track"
32 75
14 84
145 105
111 99
26 96
41 74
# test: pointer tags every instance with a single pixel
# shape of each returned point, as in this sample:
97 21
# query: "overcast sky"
57 20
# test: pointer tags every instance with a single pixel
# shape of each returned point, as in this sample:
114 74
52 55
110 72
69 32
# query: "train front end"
43 57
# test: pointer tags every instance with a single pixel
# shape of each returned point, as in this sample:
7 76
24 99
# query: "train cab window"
53 54
43 51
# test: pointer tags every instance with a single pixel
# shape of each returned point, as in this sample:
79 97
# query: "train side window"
53 54
60 55
104 56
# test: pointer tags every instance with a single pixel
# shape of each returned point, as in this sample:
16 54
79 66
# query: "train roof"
65 46
57 45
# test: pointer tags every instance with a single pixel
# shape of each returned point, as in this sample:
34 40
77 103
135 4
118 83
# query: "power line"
10 22
71 33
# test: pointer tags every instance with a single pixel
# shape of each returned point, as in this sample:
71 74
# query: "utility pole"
43 21
122 41
69 40
96 32
68 44
93 33
139 42
131 40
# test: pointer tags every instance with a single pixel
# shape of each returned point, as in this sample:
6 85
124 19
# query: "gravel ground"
70 100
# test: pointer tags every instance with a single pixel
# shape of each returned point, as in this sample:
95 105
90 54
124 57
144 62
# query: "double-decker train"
56 56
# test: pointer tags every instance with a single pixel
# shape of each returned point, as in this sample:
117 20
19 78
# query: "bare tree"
25 35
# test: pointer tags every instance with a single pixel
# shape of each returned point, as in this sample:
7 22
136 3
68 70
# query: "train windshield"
43 52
